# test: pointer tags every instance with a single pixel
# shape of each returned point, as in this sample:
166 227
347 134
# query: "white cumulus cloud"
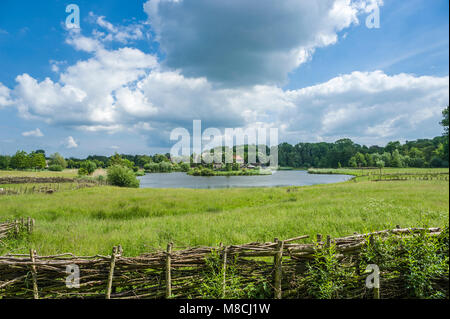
126 89
5 96
237 42
34 133
70 143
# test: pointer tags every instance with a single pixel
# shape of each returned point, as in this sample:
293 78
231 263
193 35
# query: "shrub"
57 159
419 262
184 167
87 168
122 176
151 168
212 286
139 173
165 167
55 168
83 171
424 263
325 278
436 162
4 162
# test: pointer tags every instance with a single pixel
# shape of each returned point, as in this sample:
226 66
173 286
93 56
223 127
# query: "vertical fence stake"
34 274
168 271
16 227
29 225
319 238
224 271
111 273
278 268
376 293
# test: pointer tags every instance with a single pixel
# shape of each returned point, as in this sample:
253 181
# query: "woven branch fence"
13 228
409 176
179 273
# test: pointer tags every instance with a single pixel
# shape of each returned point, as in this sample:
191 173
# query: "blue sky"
138 69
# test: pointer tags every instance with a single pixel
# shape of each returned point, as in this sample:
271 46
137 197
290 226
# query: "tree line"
342 153
345 153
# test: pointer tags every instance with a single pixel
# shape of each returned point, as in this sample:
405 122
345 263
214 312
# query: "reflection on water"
280 178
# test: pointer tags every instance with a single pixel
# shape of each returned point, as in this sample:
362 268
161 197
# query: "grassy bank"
241 172
92 220
375 171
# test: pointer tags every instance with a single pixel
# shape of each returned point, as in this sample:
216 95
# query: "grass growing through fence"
418 262
324 277
214 287
414 266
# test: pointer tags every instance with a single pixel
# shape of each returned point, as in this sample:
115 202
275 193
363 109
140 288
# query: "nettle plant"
419 261
426 260
325 278
213 286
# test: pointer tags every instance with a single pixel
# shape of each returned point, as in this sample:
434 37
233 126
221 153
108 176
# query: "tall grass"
69 173
92 220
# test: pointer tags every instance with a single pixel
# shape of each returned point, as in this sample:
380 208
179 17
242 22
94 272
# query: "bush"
184 167
419 262
151 168
325 278
87 168
55 168
436 162
4 162
83 171
57 159
122 177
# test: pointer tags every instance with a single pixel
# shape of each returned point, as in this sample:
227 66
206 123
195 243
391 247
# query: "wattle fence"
15 227
255 270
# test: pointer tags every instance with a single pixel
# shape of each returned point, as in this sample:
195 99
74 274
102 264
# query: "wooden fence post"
29 225
224 282
278 268
16 227
111 273
168 271
376 293
319 238
34 274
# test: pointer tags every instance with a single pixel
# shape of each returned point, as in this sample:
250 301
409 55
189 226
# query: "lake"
280 178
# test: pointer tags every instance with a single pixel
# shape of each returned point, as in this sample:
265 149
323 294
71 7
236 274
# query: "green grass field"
386 170
92 220
69 173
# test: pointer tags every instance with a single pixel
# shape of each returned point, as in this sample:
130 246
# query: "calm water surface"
280 178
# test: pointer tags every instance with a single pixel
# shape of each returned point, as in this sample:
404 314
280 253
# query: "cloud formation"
128 90
70 143
371 106
122 34
5 96
250 42
34 133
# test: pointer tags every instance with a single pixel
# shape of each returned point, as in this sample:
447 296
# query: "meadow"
68 173
92 220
